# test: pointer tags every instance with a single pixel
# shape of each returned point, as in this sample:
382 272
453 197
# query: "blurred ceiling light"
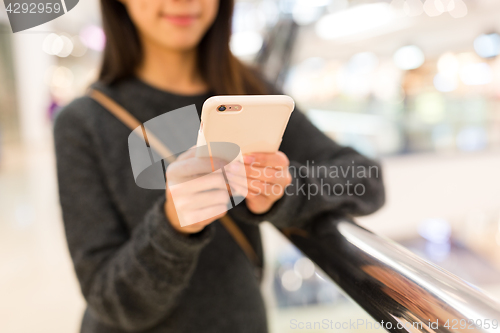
433 7
304 15
47 43
487 45
63 45
291 281
247 17
286 6
314 3
435 230
93 37
57 45
466 58
337 5
308 11
270 11
448 64
363 63
457 8
246 43
304 267
413 7
60 46
409 57
476 74
355 20
444 83
398 6
79 49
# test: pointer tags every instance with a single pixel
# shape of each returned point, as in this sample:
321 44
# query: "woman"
138 269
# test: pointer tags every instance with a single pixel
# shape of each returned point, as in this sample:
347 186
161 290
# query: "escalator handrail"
394 285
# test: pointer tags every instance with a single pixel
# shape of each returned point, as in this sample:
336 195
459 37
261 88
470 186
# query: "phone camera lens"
222 108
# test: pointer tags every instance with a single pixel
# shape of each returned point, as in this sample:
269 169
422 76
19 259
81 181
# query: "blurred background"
415 83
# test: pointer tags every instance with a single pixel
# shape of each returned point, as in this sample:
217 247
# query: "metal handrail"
400 290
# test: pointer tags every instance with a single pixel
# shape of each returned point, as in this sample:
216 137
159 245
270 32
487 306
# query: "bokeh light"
476 74
409 57
291 281
304 267
58 45
246 43
487 45
354 20
93 37
444 83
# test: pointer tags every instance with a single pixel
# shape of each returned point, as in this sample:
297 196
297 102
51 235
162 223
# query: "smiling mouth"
181 20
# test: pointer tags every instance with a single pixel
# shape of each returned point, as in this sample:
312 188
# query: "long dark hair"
220 69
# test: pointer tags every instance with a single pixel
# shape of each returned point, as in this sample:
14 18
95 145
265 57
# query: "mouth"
180 20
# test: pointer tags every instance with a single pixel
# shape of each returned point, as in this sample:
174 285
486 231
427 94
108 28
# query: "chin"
181 44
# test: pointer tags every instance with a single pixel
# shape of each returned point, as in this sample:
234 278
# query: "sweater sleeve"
326 177
129 280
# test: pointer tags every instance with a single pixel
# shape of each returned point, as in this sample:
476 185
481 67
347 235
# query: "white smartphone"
255 123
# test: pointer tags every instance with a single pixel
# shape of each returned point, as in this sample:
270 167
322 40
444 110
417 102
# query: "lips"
180 20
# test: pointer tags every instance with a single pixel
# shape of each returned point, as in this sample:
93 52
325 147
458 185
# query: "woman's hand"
267 176
200 195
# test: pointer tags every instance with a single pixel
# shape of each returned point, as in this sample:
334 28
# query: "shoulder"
77 115
84 110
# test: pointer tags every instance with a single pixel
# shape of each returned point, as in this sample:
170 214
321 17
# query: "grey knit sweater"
136 272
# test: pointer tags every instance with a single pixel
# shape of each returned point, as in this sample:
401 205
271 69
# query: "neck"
171 70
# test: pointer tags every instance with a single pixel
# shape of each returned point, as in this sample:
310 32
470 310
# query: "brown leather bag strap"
240 238
131 122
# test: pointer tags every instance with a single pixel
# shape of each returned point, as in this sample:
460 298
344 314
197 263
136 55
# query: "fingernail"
249 159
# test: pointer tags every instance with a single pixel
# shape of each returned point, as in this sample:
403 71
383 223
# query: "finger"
258 204
265 174
213 181
268 174
202 200
269 186
236 180
237 189
275 191
191 168
275 160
